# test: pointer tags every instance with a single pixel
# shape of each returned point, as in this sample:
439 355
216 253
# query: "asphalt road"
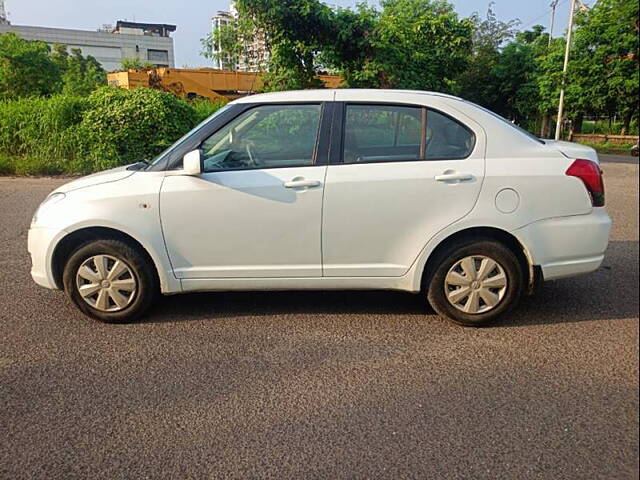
322 385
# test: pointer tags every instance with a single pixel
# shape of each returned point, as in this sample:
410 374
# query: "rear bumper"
571 268
567 246
40 244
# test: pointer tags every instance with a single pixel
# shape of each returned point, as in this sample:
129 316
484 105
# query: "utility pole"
554 4
567 51
3 14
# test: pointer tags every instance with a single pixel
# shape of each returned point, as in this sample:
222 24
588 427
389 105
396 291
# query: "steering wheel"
253 158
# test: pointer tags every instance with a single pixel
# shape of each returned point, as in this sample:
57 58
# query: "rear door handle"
454 177
301 183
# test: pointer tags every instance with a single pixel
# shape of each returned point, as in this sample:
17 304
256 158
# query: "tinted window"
381 133
446 138
268 136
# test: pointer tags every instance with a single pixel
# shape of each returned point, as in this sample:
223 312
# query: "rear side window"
388 133
381 133
446 138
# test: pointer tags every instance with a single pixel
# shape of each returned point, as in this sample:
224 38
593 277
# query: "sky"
193 17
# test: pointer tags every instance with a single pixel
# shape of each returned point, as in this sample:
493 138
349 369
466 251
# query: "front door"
256 210
403 173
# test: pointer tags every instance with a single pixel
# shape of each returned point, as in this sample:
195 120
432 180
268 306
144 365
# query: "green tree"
350 51
228 44
26 68
515 75
603 72
369 47
547 80
224 45
503 71
478 82
414 44
135 64
295 30
60 56
80 75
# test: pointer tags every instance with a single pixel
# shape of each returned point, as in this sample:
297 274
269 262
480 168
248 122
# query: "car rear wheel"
475 282
111 281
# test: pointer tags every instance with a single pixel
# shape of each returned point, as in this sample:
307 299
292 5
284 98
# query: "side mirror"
192 163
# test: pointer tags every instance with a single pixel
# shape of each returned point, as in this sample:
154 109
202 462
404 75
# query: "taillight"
591 175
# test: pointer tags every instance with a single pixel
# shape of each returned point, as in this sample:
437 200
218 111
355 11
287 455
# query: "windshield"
161 156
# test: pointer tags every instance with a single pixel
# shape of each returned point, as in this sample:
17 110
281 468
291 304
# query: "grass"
610 147
603 127
26 165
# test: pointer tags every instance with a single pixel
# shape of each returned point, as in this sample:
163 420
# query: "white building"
149 42
256 53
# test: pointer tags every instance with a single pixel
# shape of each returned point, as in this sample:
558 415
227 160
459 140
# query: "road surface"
322 384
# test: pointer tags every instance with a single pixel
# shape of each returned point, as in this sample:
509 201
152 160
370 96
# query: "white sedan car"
331 189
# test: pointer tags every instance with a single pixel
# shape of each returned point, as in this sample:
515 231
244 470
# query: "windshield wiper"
141 165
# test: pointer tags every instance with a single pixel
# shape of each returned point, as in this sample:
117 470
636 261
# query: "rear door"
398 174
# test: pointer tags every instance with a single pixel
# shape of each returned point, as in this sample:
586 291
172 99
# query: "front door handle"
454 177
299 182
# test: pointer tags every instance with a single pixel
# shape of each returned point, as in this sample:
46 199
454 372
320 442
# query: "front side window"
446 138
381 133
268 136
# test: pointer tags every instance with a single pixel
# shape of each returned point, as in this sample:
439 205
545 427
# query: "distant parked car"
331 189
634 150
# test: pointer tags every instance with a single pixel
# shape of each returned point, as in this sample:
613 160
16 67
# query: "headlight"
50 200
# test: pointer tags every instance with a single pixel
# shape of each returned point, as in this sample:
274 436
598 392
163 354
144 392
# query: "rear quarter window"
446 138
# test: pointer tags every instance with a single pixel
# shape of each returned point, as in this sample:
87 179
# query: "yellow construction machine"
200 82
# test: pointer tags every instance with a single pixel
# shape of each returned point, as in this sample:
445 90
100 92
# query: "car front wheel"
109 280
475 282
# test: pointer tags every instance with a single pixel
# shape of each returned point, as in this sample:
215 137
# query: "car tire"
491 291
110 280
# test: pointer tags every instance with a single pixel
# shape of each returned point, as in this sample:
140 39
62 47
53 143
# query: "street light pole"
567 51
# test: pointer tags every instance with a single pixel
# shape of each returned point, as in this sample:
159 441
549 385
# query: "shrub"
111 127
40 127
123 126
204 107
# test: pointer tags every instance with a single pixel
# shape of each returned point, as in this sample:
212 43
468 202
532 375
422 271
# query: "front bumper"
567 246
41 242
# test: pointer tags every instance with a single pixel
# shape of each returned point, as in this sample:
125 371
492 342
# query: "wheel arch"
70 242
494 233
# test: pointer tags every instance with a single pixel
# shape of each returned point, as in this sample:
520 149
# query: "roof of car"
330 94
